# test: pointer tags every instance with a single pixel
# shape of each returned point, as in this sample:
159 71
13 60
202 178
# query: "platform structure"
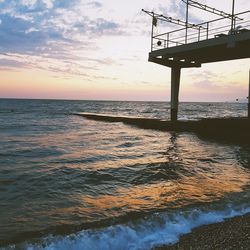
221 39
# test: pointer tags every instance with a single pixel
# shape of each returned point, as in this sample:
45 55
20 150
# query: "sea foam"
155 230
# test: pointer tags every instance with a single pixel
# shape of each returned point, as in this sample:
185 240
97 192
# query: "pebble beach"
233 233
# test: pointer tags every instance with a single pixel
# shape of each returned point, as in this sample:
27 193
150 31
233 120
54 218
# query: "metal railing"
207 30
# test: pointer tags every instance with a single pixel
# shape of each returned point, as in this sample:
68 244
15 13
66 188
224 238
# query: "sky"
98 50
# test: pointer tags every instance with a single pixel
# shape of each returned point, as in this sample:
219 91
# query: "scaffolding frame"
204 32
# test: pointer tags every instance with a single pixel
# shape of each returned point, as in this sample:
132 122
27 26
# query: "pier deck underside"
222 48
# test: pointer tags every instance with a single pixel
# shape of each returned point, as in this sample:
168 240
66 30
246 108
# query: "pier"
225 38
222 39
216 129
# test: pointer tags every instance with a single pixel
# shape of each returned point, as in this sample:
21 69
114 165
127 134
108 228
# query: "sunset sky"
83 49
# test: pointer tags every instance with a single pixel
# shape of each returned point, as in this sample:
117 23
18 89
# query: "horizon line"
112 100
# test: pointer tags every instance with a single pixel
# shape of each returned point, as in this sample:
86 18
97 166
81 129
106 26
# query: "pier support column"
175 84
249 96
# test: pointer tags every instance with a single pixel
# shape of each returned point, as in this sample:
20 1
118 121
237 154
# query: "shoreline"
233 233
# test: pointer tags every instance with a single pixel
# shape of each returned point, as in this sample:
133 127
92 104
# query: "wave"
152 231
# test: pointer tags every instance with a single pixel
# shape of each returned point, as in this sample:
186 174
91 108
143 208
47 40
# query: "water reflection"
203 173
186 191
172 150
243 156
60 170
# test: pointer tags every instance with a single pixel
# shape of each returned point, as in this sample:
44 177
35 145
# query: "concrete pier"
197 53
232 130
209 42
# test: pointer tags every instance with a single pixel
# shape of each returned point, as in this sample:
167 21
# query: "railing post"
199 34
167 40
207 29
186 24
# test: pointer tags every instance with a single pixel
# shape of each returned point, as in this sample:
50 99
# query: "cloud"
34 6
24 36
9 64
101 26
206 84
205 74
76 30
52 30
21 25
95 4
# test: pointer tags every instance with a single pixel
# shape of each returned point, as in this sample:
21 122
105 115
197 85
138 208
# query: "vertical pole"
207 29
152 32
175 85
249 97
232 19
186 23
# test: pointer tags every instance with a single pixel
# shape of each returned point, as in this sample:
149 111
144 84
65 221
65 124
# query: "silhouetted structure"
249 97
211 41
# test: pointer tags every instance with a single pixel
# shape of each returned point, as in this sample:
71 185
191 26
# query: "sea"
67 182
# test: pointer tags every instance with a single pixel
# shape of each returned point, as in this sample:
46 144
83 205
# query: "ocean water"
71 183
